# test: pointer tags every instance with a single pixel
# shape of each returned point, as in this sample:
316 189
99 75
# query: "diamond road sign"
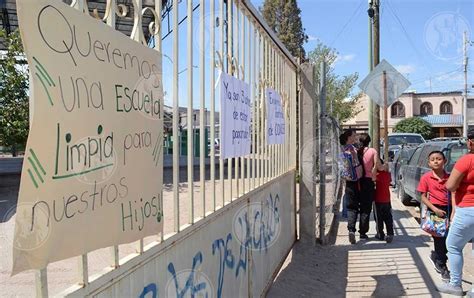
372 85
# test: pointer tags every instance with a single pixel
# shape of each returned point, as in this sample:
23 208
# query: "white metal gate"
199 40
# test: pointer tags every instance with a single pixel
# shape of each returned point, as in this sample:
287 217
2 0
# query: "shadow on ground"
368 268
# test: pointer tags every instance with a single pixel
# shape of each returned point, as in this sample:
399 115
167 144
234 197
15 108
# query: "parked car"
401 158
397 140
445 139
411 173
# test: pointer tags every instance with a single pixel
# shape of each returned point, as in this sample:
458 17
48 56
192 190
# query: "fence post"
307 168
322 152
41 281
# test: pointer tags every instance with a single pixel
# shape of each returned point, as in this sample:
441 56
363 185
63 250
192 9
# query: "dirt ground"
368 268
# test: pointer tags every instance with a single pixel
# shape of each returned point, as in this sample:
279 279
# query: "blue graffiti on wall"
226 260
259 230
243 253
189 286
150 288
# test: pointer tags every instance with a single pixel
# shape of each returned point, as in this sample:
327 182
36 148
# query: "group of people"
448 195
368 183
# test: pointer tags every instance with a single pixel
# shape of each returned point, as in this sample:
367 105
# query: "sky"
420 38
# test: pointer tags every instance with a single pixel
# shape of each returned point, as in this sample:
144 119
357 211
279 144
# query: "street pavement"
368 268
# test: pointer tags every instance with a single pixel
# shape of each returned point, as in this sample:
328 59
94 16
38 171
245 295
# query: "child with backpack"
351 171
383 207
435 197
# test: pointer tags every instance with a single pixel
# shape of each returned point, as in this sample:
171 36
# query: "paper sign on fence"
235 117
92 172
275 118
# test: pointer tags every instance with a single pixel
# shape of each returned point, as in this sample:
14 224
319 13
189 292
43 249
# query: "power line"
410 41
417 80
356 11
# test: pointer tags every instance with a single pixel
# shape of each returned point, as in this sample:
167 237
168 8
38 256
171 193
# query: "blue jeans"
460 232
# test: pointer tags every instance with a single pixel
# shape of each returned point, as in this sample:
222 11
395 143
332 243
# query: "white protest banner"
275 118
92 173
235 117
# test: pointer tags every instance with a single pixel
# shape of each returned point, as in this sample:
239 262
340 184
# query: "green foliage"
338 89
414 125
284 17
13 93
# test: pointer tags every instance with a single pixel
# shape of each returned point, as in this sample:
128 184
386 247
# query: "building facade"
443 110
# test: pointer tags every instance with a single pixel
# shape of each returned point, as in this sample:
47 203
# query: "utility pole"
376 108
464 105
370 11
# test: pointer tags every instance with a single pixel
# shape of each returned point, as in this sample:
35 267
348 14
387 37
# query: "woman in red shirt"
461 230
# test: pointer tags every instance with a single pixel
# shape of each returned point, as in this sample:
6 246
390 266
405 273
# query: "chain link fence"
329 186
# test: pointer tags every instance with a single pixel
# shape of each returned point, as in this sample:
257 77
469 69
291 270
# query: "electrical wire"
412 44
356 12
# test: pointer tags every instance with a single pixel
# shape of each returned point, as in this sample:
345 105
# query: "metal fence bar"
280 89
264 130
190 112
222 62
202 124
254 86
249 81
212 102
158 46
286 79
229 71
235 56
176 136
114 251
258 106
243 76
277 88
83 270
262 109
139 248
41 282
273 85
137 35
265 115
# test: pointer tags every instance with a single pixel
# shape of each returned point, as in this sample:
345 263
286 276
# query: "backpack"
349 164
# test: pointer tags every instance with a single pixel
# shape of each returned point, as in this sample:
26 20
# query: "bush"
414 125
13 93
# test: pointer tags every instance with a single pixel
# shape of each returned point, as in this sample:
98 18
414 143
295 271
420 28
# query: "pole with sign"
384 84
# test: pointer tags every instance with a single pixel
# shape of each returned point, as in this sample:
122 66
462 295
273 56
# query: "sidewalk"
368 268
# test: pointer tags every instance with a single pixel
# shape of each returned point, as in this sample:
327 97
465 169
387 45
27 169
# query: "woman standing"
370 161
351 171
461 230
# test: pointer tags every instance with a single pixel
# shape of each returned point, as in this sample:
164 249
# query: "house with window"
443 110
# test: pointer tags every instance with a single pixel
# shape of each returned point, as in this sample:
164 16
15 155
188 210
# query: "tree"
414 125
338 89
284 17
13 93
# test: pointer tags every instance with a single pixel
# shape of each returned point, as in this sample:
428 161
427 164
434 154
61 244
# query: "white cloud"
344 58
312 37
405 68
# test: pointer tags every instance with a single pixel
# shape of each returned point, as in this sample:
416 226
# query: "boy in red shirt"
383 208
434 196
